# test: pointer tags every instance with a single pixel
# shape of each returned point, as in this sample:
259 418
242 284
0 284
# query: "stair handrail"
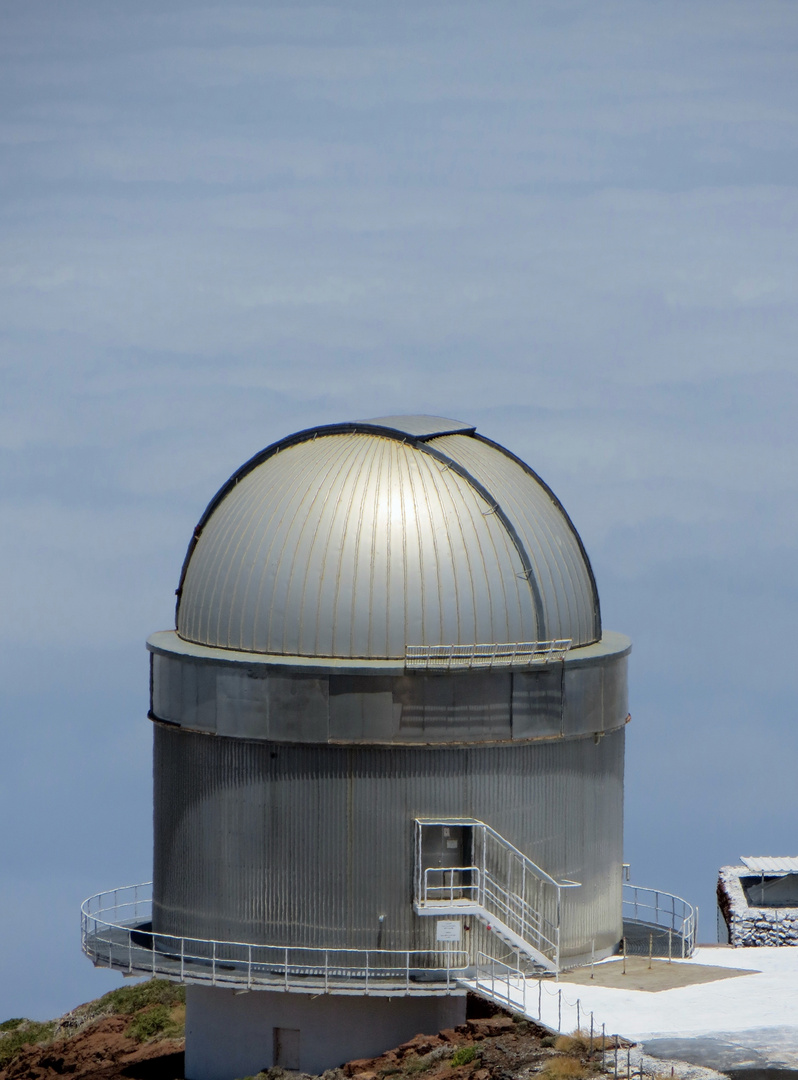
562 883
497 899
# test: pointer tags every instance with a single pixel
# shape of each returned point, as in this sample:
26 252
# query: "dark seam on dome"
531 472
496 508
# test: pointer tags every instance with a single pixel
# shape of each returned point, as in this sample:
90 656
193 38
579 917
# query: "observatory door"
446 856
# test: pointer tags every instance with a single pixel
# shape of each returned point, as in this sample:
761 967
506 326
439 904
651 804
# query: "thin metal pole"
603 1037
559 1010
670 946
540 995
523 900
578 1018
628 1063
623 940
695 925
650 949
615 1043
591 1033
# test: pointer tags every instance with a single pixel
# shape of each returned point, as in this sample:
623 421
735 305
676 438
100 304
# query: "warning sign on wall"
447 930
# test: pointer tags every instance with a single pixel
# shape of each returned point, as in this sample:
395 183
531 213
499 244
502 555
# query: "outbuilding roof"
770 864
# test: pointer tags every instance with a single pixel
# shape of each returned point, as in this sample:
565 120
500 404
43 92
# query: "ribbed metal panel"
570 601
310 845
352 543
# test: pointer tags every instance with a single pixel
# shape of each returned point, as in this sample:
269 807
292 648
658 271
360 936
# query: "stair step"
495 925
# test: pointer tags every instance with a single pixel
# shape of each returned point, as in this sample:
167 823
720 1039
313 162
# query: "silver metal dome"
361 539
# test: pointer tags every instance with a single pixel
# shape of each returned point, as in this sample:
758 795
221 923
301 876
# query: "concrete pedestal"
231 1034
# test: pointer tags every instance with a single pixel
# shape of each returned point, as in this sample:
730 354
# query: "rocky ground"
136 1032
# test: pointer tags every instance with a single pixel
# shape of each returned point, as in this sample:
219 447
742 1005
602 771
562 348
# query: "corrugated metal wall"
310 845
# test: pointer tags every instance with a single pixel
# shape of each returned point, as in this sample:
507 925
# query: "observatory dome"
359 540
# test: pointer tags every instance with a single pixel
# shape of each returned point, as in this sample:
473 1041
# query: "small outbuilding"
758 901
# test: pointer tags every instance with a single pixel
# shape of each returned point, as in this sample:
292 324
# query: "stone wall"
753 925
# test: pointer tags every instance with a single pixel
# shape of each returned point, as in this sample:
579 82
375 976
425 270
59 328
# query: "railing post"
285 968
249 967
367 972
559 1010
523 901
213 965
182 957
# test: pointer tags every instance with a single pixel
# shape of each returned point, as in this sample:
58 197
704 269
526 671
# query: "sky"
571 224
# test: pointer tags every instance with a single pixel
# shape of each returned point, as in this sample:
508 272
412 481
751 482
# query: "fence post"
591 1033
540 996
559 1010
628 1063
695 927
578 1018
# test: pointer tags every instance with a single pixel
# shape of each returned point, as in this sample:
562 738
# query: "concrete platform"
638 973
724 1008
721 1022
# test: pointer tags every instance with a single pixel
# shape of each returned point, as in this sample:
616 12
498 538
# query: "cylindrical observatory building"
389 749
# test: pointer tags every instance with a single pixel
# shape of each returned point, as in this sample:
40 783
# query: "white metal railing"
501 885
536 999
116 933
488 655
662 910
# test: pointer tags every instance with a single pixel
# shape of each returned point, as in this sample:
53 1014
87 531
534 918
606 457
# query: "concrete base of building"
230 1034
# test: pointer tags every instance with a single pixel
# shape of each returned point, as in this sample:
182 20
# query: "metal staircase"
464 867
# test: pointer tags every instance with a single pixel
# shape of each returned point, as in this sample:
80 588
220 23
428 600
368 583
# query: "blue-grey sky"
573 224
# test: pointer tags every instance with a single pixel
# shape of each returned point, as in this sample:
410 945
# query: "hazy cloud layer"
572 224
